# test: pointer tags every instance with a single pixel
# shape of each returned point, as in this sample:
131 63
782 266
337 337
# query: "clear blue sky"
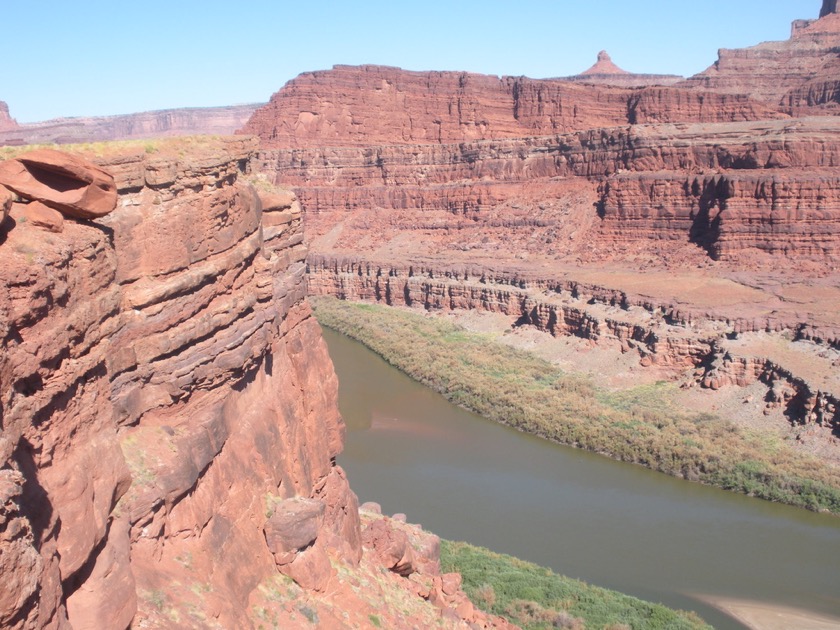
99 57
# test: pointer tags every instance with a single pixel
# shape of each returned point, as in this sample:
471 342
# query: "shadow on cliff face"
35 504
6 226
706 223
62 400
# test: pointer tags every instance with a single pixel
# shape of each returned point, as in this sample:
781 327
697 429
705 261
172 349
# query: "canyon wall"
734 164
156 124
169 416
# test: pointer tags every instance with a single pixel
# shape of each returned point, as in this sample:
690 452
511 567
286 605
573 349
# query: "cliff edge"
169 417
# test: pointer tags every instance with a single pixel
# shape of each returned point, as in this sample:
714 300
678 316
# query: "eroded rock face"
68 183
408 165
605 72
778 72
163 381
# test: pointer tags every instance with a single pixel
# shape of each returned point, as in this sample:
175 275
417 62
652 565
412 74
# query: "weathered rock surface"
779 73
155 124
375 105
68 183
729 333
169 417
566 170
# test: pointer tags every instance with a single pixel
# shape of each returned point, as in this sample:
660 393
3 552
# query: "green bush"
535 598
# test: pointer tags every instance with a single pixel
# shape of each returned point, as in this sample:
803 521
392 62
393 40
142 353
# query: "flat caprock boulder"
72 185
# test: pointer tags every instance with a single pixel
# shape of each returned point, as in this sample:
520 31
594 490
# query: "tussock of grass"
516 388
535 597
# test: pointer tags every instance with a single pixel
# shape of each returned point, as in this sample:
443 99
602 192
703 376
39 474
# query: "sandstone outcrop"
155 124
521 196
781 73
375 105
75 187
169 417
728 334
6 200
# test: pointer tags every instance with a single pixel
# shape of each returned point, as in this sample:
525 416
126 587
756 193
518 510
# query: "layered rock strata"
169 418
377 105
730 189
780 73
726 162
725 344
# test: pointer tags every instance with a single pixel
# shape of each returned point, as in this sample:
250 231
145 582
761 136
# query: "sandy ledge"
762 616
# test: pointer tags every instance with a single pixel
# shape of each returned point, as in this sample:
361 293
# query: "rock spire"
829 6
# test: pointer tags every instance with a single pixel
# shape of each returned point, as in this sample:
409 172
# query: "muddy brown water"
612 524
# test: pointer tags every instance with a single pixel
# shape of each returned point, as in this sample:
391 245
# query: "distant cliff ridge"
155 124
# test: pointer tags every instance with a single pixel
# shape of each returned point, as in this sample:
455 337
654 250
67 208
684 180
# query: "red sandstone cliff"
785 73
156 124
407 178
169 418
586 171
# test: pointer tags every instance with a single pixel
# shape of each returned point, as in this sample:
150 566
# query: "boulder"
391 547
42 216
292 527
275 201
72 185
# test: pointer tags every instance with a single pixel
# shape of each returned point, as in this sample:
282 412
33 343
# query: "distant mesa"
605 72
187 121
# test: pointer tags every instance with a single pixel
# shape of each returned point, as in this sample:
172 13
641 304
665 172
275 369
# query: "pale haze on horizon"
100 58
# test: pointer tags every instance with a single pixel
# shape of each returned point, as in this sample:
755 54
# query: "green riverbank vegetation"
534 597
516 388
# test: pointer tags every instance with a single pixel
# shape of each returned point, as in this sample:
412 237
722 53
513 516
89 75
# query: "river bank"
605 522
640 425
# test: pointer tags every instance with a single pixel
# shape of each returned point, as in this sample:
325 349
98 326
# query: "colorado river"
585 516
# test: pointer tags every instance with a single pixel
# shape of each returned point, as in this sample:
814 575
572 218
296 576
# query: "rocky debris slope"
169 418
155 124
